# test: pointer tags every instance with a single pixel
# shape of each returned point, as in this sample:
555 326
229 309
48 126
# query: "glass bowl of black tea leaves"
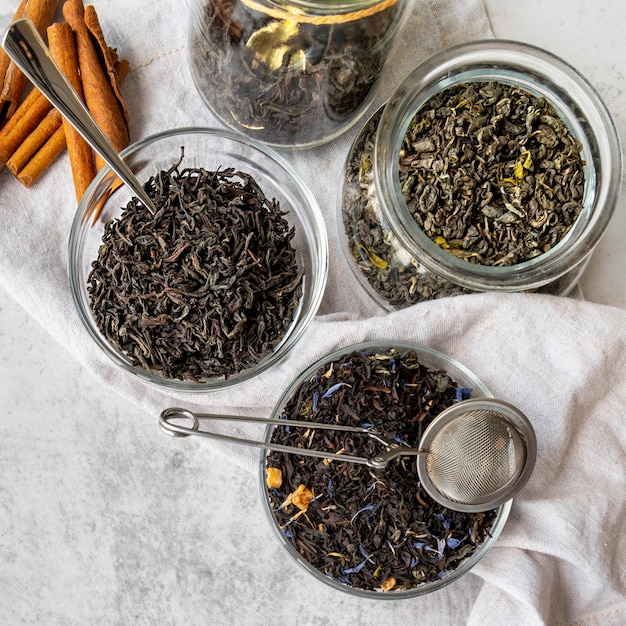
374 533
220 283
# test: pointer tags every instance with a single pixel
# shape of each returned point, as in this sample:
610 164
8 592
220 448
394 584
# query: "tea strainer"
475 455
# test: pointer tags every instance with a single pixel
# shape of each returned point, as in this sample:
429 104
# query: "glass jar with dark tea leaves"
494 167
290 72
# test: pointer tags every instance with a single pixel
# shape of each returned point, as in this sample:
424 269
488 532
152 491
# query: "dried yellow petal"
388 584
273 477
271 45
523 164
422 125
306 409
504 182
374 258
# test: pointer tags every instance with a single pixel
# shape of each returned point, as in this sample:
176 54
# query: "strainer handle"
176 430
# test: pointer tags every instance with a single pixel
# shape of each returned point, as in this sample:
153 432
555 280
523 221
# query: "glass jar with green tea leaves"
290 73
495 166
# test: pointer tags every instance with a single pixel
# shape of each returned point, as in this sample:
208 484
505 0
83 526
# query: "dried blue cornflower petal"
418 544
414 561
463 393
334 388
287 533
284 416
399 439
442 573
356 569
330 488
444 520
367 425
441 546
453 543
316 397
369 507
365 554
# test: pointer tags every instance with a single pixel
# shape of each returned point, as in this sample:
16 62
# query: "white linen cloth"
562 557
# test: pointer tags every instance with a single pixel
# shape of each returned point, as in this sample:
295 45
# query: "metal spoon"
25 46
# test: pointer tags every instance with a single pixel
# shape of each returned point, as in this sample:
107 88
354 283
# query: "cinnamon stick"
99 95
63 49
5 60
109 56
48 126
32 111
34 136
41 158
48 153
20 112
40 12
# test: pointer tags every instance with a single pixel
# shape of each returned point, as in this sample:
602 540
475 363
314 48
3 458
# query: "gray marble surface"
173 536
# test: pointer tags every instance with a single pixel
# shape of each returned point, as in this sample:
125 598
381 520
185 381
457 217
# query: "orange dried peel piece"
273 477
300 498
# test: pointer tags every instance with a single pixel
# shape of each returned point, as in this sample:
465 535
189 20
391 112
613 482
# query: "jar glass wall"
391 254
290 73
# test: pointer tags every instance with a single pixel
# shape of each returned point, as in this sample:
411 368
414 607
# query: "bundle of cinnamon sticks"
32 133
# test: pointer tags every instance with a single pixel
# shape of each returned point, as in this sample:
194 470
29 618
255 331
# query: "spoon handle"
26 48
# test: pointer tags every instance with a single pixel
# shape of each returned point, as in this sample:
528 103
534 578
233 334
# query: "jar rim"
328 5
343 10
574 98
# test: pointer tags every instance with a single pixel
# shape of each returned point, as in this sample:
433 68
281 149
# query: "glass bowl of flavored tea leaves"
371 532
220 283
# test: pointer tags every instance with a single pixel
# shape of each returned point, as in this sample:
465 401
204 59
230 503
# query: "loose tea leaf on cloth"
561 557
